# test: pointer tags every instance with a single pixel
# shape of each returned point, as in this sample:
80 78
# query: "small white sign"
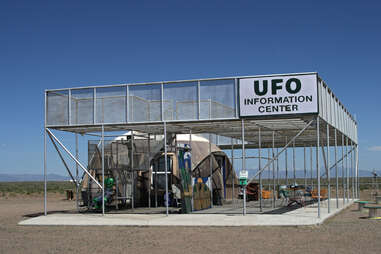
243 174
278 95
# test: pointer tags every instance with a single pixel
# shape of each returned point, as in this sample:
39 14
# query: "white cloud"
375 148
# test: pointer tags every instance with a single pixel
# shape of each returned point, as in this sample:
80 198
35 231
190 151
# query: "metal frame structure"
256 133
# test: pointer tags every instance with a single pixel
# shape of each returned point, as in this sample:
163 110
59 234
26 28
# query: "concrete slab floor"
298 217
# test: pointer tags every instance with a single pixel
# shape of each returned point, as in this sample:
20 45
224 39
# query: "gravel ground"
347 232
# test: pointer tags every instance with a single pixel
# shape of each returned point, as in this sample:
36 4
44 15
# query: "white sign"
243 174
278 95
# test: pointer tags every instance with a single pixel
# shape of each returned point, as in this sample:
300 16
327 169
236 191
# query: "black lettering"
275 86
264 87
298 85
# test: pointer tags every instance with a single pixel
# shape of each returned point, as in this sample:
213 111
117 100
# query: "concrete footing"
298 217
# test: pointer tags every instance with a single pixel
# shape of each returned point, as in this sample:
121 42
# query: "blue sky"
56 44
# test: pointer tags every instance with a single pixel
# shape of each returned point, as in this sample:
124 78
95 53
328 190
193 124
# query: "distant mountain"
31 178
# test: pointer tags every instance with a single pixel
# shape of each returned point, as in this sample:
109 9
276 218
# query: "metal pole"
77 172
352 172
155 185
305 166
45 169
293 161
103 170
337 172
357 172
277 166
311 167
211 170
166 169
269 170
259 168
45 176
286 163
272 150
342 167
328 173
190 170
346 167
243 163
132 171
233 170
317 160
149 170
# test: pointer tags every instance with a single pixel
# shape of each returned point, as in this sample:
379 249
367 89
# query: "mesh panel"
144 103
57 108
187 109
168 110
139 109
183 98
82 106
217 99
111 105
155 110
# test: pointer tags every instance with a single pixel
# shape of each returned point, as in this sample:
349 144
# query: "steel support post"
317 160
328 172
103 170
286 163
155 178
293 161
149 170
273 155
357 170
352 173
277 167
232 164
342 168
243 163
166 169
132 171
346 167
210 170
45 151
190 150
337 172
260 170
76 172
311 167
45 175
305 166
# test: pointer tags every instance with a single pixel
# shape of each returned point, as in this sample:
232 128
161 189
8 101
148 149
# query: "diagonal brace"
347 154
72 156
63 161
281 151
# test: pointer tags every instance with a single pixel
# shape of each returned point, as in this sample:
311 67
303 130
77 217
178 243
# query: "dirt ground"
347 232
